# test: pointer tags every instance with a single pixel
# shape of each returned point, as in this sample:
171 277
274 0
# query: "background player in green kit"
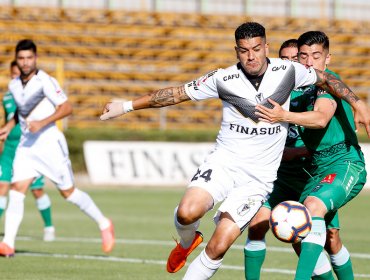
291 179
6 161
338 172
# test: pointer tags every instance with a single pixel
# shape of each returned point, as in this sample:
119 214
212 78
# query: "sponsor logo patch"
329 178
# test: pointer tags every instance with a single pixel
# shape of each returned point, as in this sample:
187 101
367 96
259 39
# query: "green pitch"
144 228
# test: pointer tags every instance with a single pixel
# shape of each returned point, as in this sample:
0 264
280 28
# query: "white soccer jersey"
37 100
255 145
44 152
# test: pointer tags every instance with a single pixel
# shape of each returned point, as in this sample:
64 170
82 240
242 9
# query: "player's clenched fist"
115 109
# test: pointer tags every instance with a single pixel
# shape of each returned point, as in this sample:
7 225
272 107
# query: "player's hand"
112 110
362 116
34 126
274 115
4 132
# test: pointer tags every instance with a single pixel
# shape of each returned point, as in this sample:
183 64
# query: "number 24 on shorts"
206 175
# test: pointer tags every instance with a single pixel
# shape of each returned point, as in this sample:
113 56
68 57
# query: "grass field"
144 229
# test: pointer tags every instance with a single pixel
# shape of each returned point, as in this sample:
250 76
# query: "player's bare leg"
194 204
83 201
207 263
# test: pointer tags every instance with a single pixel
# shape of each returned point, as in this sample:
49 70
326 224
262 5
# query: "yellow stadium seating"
110 54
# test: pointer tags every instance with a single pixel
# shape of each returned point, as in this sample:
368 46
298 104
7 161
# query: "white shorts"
229 181
45 155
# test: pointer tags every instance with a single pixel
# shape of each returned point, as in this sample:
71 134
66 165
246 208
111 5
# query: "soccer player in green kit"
43 202
292 177
337 169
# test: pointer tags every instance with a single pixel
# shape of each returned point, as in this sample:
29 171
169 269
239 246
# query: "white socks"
202 267
43 202
255 245
87 205
341 257
322 266
13 216
3 201
186 232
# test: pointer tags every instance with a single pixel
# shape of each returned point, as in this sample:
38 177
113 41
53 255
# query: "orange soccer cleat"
107 236
6 251
177 258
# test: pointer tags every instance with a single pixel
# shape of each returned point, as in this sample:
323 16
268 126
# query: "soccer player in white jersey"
240 171
42 149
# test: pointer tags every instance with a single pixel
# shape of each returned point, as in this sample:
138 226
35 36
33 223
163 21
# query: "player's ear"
327 59
237 53
267 50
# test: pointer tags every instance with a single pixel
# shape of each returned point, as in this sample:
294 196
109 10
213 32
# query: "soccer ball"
290 221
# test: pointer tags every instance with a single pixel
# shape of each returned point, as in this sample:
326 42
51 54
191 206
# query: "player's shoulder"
231 72
332 72
14 83
42 75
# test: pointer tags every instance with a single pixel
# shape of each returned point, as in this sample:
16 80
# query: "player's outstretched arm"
335 86
159 98
322 113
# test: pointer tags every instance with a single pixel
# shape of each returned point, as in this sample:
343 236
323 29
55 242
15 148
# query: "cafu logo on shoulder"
276 68
259 97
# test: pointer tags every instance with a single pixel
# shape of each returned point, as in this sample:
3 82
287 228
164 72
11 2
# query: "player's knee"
66 193
216 250
333 242
315 206
188 214
37 193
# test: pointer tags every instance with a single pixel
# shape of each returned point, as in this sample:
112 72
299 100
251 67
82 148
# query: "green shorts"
6 164
337 185
289 185
291 180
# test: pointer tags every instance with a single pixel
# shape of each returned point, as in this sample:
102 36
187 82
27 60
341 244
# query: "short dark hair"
291 43
310 38
13 63
25 45
250 30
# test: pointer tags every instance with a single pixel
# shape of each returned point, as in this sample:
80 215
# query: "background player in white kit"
241 169
42 149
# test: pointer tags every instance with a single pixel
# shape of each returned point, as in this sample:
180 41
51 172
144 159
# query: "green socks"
312 246
254 256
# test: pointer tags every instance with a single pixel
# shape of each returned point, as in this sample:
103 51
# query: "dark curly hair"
250 30
25 45
314 37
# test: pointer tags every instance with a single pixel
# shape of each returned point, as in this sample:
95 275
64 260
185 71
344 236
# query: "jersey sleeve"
204 87
304 76
9 106
53 91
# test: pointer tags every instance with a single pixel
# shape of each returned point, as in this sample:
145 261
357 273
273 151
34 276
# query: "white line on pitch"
168 243
156 262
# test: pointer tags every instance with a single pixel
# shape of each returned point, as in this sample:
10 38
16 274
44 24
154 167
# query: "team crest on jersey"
315 189
245 207
329 178
259 97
